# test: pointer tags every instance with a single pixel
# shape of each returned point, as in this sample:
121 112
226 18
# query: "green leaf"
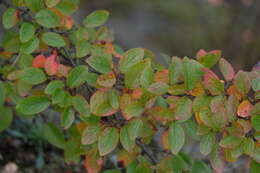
11 42
90 134
134 109
158 88
135 128
112 171
248 146
66 7
10 18
256 122
254 167
25 60
53 86
99 104
139 74
33 105
230 141
96 18
200 167
130 58
102 62
192 73
126 141
67 118
108 140
30 46
32 76
207 143
175 70
35 5
47 18
242 82
53 39
210 59
51 3
81 105
256 84
54 135
82 48
226 69
114 98
27 31
183 109
2 93
201 101
77 76
176 137
6 117
58 96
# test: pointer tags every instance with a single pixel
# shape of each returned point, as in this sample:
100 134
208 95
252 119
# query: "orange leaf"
197 117
232 90
244 109
162 76
93 163
63 70
137 93
51 66
165 140
69 22
39 61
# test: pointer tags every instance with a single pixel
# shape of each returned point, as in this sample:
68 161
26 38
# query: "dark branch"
146 150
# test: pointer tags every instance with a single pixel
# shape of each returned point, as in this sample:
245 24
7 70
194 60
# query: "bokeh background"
174 27
182 27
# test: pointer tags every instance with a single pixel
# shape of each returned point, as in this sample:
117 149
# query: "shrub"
115 101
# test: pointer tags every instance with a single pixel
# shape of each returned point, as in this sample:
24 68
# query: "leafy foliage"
114 101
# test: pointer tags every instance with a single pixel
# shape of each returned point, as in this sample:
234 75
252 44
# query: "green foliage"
115 102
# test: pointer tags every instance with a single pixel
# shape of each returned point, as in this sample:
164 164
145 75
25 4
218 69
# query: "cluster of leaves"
111 100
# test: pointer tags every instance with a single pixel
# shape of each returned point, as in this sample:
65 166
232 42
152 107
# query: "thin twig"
146 151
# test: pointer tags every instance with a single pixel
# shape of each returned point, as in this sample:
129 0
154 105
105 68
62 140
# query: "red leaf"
39 61
201 53
226 69
244 109
51 66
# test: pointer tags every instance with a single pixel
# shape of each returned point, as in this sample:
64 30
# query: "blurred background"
182 27
174 27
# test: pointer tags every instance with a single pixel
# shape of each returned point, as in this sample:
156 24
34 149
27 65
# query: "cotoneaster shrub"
115 101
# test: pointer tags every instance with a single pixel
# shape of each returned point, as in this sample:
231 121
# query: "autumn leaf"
51 66
244 109
39 61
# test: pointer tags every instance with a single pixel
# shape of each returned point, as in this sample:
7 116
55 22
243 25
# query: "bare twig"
147 151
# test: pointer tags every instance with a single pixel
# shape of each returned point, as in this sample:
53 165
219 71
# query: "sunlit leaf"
10 18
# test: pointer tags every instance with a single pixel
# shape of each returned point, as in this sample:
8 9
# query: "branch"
147 151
